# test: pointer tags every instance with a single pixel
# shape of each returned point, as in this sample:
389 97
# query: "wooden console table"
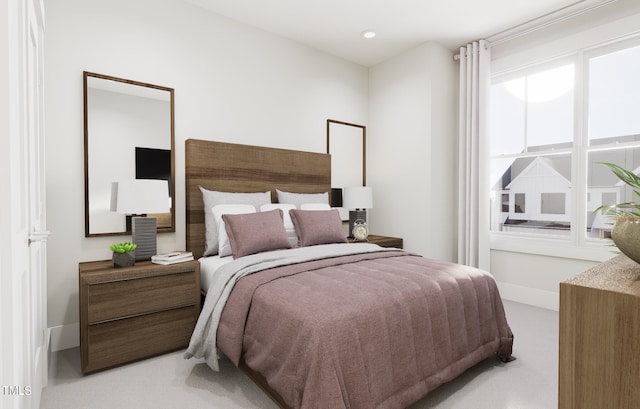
599 363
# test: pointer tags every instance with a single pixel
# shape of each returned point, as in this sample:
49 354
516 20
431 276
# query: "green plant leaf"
627 209
123 247
625 175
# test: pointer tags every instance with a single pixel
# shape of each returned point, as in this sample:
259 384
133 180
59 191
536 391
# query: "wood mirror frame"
122 121
347 145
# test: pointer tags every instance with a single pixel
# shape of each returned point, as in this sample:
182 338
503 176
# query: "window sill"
564 248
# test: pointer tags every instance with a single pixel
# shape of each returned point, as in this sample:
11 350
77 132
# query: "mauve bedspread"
374 330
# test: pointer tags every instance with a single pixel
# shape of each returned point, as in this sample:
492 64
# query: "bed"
332 325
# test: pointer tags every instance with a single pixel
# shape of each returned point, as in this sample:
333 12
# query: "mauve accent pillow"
212 198
288 224
256 232
318 227
224 245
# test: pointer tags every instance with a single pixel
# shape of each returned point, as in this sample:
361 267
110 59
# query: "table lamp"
136 198
359 198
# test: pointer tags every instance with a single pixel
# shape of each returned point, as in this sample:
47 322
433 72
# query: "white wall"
232 83
534 278
412 149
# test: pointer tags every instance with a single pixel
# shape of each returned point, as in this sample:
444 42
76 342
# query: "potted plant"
626 228
123 254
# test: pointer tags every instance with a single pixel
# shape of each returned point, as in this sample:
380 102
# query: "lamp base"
356 215
144 235
128 221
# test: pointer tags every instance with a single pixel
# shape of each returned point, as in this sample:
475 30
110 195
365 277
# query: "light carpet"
171 382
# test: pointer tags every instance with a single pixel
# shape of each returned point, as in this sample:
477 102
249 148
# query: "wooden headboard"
229 167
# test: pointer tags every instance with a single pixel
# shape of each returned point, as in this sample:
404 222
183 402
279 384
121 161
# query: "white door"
23 284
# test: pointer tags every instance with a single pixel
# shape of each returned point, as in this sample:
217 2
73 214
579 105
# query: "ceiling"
334 26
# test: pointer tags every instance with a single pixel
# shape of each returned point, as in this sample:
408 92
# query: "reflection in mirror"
128 134
346 142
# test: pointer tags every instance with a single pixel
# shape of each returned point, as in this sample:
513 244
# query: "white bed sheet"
208 267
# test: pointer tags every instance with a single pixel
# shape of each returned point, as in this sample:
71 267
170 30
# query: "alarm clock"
360 230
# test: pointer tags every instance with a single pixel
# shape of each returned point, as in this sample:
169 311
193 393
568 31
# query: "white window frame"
577 245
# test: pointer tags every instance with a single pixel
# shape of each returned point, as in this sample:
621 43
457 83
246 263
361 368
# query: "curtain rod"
486 47
509 34
521 29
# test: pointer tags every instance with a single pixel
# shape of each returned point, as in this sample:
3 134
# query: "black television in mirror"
152 163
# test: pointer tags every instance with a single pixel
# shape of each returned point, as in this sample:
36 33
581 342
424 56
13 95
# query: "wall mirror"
128 134
346 142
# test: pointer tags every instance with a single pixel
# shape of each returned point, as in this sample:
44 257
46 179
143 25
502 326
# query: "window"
553 203
505 202
614 97
531 144
535 143
520 203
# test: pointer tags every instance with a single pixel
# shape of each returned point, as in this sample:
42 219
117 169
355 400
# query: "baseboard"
65 336
47 339
47 335
531 296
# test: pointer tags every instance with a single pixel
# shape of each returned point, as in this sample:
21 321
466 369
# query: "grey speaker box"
144 235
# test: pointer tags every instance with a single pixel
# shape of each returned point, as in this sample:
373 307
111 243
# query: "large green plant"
627 209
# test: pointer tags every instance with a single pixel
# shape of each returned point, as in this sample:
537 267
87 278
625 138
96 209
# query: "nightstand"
382 241
127 314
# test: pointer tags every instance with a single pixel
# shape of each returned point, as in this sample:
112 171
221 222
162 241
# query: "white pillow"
298 199
224 245
212 198
315 206
288 224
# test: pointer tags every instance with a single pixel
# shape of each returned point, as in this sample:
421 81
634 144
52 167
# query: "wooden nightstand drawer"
128 297
127 314
115 342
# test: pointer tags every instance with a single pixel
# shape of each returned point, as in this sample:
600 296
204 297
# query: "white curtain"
473 191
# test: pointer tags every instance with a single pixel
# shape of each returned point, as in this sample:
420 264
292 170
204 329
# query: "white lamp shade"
358 197
140 196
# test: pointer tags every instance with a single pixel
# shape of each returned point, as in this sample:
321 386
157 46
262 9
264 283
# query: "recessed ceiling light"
368 34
